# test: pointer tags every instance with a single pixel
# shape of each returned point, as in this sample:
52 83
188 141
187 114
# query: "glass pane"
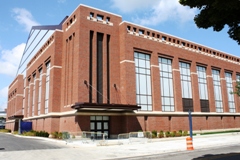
105 126
98 118
144 107
149 99
143 84
141 63
143 99
99 125
92 126
148 85
105 118
92 118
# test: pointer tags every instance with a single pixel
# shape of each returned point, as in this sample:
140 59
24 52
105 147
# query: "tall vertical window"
39 91
203 92
217 90
33 97
28 107
185 75
231 104
237 83
166 84
143 81
24 96
238 78
47 86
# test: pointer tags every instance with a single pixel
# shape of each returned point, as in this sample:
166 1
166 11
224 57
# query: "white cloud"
10 59
61 1
133 5
156 12
3 97
25 18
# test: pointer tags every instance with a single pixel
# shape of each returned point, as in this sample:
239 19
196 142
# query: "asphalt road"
231 152
10 142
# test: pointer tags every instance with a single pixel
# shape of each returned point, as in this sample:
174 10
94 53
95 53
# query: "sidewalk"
78 150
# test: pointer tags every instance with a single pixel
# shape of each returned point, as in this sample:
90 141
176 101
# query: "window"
39 91
47 87
91 14
143 81
186 86
99 17
166 81
185 80
33 97
231 104
237 82
108 19
141 31
202 85
217 90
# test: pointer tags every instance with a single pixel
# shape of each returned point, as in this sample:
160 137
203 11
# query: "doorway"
99 124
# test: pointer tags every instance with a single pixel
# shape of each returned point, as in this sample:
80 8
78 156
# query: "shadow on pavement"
228 156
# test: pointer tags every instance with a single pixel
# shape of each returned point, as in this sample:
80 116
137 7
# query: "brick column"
210 88
42 110
36 93
155 81
26 99
177 85
224 91
31 96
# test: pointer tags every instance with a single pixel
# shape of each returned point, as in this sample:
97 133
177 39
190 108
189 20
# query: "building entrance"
100 125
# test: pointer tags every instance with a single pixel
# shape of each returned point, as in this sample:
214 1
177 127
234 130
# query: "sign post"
190 122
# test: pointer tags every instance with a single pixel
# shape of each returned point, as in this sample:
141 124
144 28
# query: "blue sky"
17 17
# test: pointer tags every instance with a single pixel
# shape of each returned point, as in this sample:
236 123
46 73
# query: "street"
10 142
231 152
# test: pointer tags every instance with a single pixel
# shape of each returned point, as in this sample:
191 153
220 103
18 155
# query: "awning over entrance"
84 106
15 117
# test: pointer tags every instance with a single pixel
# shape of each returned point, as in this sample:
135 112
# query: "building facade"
95 72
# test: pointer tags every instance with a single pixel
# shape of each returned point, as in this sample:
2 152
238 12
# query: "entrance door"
99 124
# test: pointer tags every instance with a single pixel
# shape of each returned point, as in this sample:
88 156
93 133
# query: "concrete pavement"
113 150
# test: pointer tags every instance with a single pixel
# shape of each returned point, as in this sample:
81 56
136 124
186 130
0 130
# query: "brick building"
95 72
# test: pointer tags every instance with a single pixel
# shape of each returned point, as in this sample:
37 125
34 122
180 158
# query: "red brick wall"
69 56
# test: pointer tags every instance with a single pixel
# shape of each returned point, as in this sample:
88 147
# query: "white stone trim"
56 67
129 61
152 113
155 66
176 70
52 114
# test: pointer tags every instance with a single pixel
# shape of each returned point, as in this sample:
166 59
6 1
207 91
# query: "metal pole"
190 122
